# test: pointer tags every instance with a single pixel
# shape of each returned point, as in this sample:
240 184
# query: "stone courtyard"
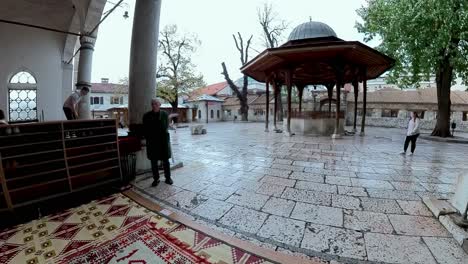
350 200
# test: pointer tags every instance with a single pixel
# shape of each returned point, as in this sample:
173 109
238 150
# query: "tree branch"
231 84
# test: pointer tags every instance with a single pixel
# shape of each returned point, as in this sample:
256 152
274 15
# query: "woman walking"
412 133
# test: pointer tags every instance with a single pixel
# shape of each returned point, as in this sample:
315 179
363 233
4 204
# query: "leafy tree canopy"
419 34
176 74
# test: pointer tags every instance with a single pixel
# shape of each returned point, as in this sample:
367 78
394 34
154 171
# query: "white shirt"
72 100
413 127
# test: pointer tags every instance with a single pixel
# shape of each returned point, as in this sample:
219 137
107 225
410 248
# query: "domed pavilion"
314 55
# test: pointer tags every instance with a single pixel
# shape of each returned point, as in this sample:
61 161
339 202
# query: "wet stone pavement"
350 200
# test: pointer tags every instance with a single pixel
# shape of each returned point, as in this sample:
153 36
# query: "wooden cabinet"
45 160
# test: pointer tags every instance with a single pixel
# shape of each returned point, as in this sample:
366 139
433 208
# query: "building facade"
391 108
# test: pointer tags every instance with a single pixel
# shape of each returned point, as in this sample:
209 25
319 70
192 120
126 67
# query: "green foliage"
176 74
419 34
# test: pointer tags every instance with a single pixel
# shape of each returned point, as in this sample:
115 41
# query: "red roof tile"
109 88
212 89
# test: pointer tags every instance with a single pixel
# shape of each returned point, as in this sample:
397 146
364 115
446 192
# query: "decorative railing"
316 114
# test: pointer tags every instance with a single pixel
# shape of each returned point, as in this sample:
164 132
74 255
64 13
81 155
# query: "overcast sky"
214 22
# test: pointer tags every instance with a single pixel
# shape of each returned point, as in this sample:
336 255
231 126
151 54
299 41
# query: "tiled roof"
109 88
261 100
251 99
424 96
205 97
212 89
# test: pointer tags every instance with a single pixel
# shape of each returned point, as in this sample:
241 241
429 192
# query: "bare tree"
272 27
273 30
241 92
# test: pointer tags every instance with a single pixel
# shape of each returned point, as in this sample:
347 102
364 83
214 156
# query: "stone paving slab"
338 241
414 208
362 196
313 186
278 206
248 199
313 197
446 250
278 181
244 219
318 214
367 222
417 226
352 191
387 206
283 230
397 249
345 181
212 209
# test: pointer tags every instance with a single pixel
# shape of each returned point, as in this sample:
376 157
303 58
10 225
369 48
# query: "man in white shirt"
70 107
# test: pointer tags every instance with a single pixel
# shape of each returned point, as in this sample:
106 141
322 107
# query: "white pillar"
67 82
84 74
142 75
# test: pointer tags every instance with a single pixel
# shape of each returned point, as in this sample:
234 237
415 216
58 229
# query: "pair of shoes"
169 181
403 153
155 183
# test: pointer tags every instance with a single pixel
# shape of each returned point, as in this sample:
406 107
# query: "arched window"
217 114
212 114
22 98
199 114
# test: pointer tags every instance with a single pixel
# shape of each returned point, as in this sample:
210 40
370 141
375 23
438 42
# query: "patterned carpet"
114 230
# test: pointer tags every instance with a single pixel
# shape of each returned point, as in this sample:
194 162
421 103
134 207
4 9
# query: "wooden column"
339 68
289 87
330 95
275 92
267 104
364 101
300 88
336 134
356 93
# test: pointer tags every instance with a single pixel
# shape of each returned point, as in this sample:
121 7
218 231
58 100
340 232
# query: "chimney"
104 80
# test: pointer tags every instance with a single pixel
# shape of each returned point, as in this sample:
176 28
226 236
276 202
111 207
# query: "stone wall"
375 118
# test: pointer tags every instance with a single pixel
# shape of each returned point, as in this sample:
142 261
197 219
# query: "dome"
310 30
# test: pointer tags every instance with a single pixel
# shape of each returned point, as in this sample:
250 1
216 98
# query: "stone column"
142 68
143 51
67 84
84 74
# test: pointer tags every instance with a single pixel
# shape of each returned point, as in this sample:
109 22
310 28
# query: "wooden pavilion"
314 55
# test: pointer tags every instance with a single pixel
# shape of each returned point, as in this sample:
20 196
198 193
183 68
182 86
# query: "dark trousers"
69 113
411 139
155 169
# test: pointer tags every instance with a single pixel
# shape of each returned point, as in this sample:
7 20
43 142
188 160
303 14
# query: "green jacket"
158 145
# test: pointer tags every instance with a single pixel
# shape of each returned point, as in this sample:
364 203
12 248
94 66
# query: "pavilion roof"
312 61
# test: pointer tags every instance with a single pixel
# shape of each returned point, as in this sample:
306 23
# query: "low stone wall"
308 126
462 126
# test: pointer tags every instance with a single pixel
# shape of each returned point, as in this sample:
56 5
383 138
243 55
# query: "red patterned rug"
115 230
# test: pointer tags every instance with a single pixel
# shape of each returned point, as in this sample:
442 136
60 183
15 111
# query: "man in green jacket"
155 125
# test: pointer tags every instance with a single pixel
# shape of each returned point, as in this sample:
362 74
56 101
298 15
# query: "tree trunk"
174 105
244 110
444 82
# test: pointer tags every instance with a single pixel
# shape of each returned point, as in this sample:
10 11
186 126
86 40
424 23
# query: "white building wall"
201 111
39 52
107 100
